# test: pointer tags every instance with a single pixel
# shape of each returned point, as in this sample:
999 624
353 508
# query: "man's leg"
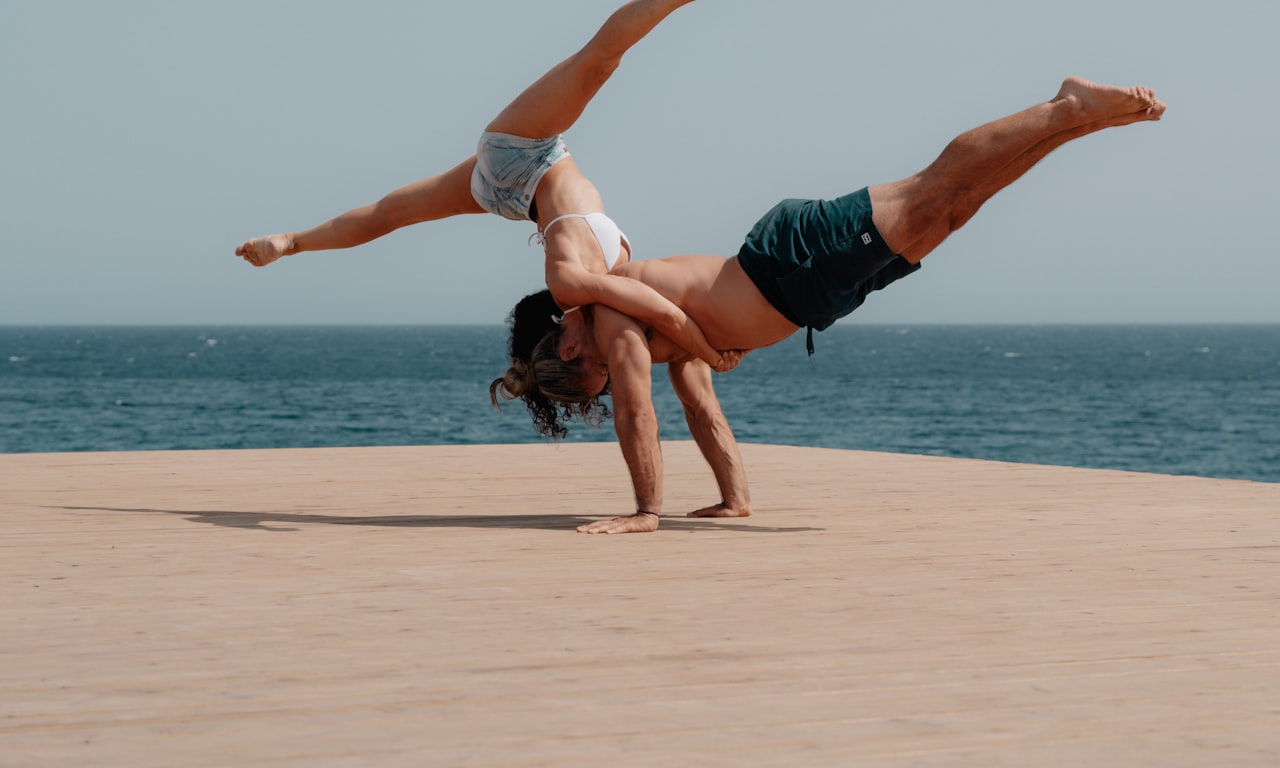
916 214
555 102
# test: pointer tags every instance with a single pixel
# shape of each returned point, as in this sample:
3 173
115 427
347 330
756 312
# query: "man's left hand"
721 510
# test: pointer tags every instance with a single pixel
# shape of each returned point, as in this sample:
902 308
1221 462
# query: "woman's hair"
550 387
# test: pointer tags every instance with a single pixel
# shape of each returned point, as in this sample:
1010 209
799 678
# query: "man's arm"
691 380
622 340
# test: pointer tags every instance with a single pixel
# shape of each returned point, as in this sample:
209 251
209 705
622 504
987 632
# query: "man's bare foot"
1096 101
720 510
1132 117
261 251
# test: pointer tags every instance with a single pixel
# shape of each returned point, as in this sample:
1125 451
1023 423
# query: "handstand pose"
806 263
523 171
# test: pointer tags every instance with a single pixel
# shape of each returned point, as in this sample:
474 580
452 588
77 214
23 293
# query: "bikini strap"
541 236
602 227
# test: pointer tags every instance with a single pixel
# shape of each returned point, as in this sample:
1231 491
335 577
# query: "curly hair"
550 387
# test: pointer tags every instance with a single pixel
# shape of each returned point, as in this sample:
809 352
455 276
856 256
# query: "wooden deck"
433 607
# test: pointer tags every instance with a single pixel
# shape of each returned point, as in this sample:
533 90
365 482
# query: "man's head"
555 367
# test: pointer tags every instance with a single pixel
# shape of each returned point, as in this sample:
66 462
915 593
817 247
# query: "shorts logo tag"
866 239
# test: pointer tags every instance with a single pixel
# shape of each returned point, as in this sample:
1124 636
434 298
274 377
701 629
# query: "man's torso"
720 298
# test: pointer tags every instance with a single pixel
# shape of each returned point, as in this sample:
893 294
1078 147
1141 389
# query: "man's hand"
691 381
721 510
623 341
640 522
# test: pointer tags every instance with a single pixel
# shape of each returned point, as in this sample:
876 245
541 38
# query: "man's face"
595 376
578 344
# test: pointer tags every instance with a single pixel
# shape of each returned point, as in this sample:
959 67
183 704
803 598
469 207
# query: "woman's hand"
729 360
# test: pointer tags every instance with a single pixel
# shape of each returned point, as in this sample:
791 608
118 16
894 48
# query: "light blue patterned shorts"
508 169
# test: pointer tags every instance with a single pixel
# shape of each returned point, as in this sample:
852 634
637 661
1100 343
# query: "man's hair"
550 387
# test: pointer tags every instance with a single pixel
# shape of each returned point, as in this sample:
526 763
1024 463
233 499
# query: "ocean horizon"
1170 399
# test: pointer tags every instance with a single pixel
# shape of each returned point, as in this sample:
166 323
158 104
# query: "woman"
522 170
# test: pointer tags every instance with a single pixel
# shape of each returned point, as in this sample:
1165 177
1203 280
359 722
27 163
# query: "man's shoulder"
616 330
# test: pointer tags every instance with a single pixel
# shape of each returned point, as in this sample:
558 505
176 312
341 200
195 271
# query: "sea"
1180 400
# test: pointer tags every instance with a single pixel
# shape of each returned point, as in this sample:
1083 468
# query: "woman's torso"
564 191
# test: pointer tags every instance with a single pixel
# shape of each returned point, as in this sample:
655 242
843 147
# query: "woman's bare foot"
261 251
1098 102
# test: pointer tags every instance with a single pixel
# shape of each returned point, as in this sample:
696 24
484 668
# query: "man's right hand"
640 522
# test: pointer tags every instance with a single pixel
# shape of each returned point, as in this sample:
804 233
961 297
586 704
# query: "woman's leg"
555 102
437 197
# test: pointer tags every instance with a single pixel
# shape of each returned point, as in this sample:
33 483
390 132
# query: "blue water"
1196 400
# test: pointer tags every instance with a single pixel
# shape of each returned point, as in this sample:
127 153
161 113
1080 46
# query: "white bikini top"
606 231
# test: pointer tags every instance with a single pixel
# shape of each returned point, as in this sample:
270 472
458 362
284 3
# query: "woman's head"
532 318
553 388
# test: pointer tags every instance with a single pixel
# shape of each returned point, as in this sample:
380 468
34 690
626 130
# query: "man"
806 263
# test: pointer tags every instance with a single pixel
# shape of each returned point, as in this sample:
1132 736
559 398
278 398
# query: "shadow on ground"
284 521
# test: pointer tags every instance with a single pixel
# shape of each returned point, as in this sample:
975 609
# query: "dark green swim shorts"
815 261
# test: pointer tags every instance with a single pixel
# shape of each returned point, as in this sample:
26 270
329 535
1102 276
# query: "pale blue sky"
143 140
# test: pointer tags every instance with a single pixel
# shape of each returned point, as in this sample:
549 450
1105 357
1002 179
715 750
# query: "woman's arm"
573 286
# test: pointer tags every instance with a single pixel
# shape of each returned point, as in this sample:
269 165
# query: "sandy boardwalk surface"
432 606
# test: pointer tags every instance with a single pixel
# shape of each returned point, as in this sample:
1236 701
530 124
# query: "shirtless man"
805 264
